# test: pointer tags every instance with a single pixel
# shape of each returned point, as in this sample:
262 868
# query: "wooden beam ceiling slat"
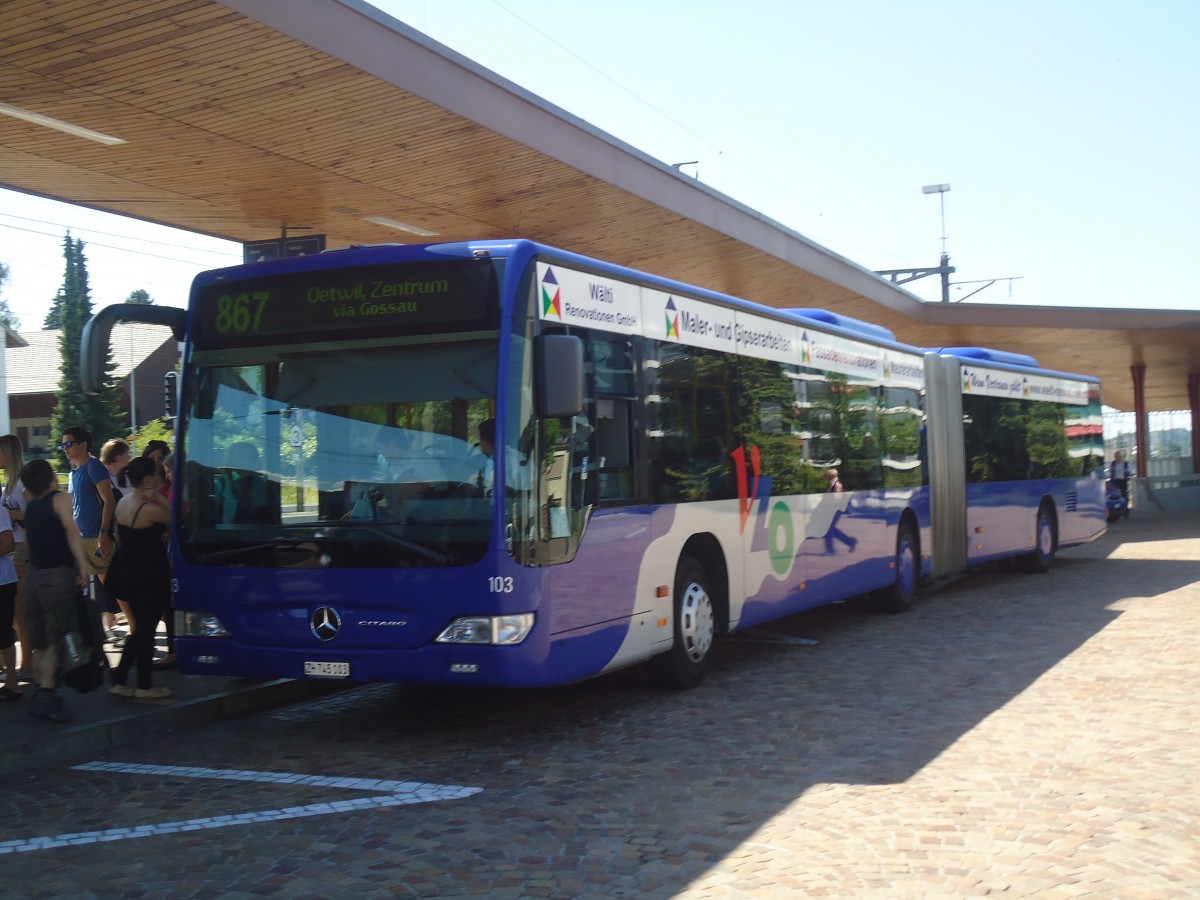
236 129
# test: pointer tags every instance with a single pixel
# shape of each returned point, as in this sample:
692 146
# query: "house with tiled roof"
143 354
11 341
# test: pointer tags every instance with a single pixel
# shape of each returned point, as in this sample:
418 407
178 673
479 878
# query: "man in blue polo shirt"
93 504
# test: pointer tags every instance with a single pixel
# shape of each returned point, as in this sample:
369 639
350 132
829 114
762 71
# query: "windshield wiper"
251 549
420 549
427 553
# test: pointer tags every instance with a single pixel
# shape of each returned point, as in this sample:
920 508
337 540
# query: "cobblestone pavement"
1026 734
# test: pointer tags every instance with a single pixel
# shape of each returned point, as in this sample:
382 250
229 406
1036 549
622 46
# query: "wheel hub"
696 622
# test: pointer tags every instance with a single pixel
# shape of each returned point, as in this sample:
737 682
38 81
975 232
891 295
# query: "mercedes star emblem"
325 623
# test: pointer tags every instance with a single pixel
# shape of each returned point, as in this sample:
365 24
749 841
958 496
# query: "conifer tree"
102 415
6 314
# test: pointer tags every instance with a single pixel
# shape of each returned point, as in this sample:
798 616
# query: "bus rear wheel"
684 665
1046 538
900 595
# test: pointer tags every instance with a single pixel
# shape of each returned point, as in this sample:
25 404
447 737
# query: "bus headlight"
504 630
198 623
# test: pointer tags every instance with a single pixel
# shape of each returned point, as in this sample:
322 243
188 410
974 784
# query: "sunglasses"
67 445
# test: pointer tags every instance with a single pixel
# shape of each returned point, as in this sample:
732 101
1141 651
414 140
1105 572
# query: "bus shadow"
618 766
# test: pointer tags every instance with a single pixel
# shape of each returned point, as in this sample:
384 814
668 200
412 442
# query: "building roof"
37 367
246 118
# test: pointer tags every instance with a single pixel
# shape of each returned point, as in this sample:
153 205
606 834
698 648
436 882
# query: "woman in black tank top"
139 573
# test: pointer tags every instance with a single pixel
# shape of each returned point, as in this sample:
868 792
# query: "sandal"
7 693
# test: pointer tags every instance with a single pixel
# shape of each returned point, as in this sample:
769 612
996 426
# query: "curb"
57 743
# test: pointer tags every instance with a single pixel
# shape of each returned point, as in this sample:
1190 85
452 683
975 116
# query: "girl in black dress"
141 575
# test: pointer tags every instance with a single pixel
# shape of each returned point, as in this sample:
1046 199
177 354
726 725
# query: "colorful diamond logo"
551 297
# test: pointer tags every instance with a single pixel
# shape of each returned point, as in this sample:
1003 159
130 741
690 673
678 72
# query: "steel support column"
1141 426
1194 406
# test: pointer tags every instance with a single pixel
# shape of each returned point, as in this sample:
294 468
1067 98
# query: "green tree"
101 415
140 297
155 430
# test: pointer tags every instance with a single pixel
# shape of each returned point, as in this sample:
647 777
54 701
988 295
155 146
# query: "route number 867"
241 313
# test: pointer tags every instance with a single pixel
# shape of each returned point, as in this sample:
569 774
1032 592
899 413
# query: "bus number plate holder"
326 669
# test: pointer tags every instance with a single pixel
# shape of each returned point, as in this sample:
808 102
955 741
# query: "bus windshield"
352 453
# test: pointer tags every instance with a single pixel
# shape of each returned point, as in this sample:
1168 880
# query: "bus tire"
683 666
1046 540
900 595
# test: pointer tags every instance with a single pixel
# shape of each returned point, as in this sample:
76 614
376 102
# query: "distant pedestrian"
8 606
168 475
1119 474
158 451
168 616
12 458
116 456
58 569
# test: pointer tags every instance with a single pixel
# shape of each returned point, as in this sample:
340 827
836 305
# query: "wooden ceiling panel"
238 129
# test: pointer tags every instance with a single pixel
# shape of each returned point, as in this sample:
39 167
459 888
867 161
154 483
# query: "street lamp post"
940 190
132 390
903 276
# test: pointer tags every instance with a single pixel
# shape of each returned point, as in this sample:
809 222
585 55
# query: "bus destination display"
407 298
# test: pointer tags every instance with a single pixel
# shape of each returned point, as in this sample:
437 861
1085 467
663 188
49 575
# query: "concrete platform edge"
57 742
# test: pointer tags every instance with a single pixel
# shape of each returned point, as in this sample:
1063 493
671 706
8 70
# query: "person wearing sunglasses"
93 506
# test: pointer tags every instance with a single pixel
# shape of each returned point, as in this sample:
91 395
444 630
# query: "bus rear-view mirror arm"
93 346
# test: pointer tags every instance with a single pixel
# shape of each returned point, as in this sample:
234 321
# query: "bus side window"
614 390
613 442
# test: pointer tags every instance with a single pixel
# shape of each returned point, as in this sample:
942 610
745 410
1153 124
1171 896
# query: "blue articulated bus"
498 463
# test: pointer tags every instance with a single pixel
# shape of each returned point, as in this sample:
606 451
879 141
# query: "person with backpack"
58 570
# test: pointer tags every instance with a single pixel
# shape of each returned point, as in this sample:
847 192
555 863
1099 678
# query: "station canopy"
245 118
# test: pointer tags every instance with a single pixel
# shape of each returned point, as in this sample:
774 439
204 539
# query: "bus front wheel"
684 665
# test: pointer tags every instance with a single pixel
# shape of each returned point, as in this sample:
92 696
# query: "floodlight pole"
940 190
943 268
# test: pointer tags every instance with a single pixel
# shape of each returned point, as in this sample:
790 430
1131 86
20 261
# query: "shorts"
8 608
48 595
97 565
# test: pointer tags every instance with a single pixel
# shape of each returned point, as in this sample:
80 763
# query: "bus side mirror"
93 347
558 375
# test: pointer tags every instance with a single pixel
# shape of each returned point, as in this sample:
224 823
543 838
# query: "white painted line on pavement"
357 784
399 793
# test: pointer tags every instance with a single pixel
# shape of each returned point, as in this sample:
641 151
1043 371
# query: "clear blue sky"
1067 130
